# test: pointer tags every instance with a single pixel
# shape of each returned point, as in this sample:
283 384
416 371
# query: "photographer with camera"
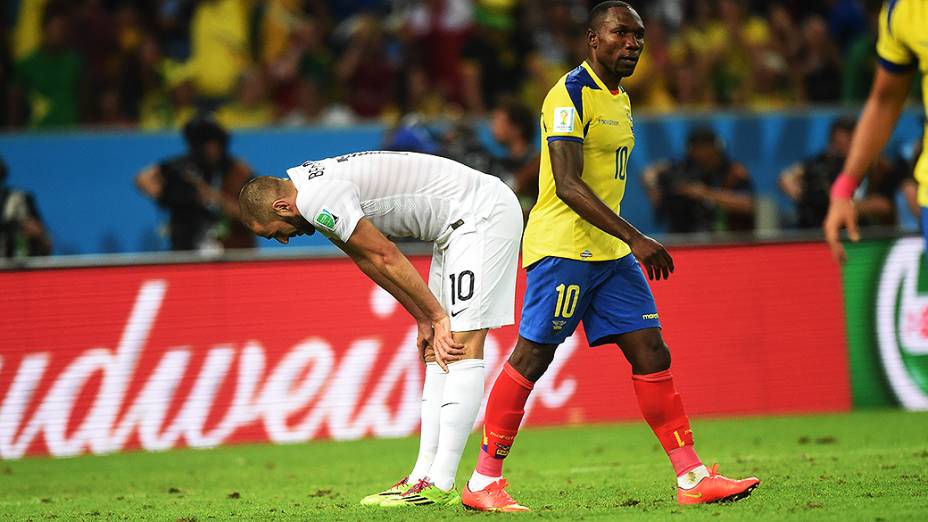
706 191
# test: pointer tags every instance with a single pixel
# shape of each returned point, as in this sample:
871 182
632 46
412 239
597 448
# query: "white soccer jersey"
404 194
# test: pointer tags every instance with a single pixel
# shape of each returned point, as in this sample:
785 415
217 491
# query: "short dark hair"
202 129
844 123
599 12
703 135
521 116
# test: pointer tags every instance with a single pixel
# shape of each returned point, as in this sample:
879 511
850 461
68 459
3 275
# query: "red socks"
658 398
663 410
505 409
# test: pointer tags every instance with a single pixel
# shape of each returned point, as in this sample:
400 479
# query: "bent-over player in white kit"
475 223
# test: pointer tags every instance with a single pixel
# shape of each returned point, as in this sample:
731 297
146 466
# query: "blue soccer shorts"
923 221
610 297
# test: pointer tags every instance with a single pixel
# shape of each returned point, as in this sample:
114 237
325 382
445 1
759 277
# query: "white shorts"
473 274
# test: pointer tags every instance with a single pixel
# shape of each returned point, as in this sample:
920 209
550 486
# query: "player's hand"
424 337
653 256
841 214
446 348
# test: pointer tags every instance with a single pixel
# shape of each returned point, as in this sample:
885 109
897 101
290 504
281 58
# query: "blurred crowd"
431 69
155 64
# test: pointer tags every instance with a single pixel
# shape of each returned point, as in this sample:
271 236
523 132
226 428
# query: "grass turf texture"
860 466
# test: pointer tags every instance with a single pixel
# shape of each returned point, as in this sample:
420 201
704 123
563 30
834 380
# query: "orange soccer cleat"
717 488
491 498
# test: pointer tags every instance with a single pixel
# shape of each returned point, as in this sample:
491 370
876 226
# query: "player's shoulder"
570 88
903 17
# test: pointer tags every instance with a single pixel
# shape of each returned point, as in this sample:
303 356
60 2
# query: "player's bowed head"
268 208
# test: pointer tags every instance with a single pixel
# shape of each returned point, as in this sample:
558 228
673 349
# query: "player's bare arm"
424 337
882 110
566 165
372 246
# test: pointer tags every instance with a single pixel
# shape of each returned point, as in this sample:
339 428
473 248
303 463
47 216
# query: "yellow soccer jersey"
903 46
581 108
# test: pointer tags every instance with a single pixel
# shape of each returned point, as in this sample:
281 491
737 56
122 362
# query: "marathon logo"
502 450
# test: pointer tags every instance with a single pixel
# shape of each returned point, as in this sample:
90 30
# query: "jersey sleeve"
893 54
562 114
332 206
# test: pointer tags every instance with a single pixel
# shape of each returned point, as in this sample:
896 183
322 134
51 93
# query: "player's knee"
656 357
531 360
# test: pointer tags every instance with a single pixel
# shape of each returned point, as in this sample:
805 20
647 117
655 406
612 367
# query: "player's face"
282 230
619 41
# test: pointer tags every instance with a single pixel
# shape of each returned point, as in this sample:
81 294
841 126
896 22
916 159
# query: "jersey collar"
599 82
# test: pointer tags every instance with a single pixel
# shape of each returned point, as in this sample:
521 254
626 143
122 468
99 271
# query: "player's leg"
554 302
624 312
478 290
432 391
460 404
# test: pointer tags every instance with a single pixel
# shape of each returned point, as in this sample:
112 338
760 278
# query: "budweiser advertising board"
99 360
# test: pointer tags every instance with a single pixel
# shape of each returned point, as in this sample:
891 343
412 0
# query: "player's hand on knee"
424 340
653 256
446 348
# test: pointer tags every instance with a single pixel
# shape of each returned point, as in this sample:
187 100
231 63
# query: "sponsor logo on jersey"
649 316
586 254
326 219
604 121
563 119
902 323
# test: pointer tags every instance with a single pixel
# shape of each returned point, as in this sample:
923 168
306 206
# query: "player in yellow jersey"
582 264
902 47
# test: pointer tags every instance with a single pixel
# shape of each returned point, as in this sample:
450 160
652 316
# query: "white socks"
459 406
480 481
692 477
432 392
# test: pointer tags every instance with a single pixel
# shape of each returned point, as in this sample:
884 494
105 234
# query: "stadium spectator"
301 75
48 82
250 107
379 59
220 50
706 191
554 46
860 59
369 75
819 64
807 182
22 232
200 190
513 126
493 56
438 30
6 74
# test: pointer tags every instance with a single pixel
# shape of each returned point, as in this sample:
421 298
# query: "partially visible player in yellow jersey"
902 48
581 260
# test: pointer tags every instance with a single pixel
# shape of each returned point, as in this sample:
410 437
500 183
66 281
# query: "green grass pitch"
861 466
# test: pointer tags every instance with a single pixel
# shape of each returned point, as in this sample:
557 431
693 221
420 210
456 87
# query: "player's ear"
592 38
282 207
